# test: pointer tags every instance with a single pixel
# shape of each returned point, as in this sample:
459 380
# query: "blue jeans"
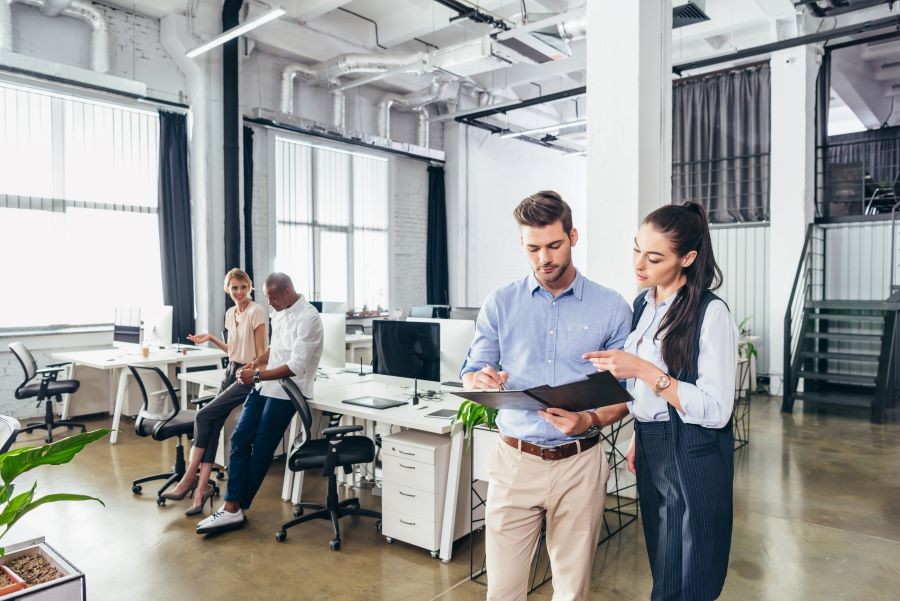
262 424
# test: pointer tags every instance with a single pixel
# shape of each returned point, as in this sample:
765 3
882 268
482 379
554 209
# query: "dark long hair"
687 229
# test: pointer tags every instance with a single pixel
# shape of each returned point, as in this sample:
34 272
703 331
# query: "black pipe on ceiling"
473 14
803 40
231 130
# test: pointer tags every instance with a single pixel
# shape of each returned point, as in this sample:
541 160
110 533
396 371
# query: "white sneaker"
221 520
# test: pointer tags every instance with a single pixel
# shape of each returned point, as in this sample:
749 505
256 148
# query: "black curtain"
248 201
720 143
876 152
437 273
175 244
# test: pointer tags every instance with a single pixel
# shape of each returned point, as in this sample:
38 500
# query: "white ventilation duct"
345 64
75 8
415 101
573 29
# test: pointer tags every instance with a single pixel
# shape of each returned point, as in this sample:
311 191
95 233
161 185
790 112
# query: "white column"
629 107
792 182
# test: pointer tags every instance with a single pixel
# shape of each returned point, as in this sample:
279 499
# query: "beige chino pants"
523 489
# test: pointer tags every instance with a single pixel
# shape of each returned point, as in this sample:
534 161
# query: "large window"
331 212
78 208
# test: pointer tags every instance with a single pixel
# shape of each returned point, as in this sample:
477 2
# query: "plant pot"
483 442
69 586
15 582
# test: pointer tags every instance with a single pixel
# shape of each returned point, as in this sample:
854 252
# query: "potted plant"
479 425
747 351
36 565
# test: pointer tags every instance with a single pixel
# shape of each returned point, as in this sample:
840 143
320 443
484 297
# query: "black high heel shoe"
208 495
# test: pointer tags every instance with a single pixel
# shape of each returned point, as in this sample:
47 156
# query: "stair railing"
809 285
895 261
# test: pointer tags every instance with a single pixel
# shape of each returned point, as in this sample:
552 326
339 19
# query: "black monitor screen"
406 349
317 305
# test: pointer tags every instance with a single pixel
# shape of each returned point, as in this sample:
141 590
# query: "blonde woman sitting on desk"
246 326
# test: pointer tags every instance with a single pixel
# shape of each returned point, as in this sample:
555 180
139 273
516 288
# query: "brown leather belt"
553 453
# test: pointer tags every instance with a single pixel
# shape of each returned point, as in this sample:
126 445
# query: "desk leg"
120 404
449 522
70 375
287 486
298 488
184 385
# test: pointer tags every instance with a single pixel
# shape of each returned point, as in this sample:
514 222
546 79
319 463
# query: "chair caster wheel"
389 540
160 501
280 536
136 489
378 525
335 544
434 554
298 512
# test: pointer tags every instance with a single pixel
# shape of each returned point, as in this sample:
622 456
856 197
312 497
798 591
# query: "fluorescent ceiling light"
236 31
541 130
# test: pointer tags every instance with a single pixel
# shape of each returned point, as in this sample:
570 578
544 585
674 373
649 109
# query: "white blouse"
707 403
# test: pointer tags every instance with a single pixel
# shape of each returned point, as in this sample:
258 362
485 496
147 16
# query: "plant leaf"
15 506
18 461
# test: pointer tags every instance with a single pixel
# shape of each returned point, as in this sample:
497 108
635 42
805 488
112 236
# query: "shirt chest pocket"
581 338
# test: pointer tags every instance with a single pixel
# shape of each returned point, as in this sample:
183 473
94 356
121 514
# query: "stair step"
855 305
845 317
841 356
845 337
837 377
836 398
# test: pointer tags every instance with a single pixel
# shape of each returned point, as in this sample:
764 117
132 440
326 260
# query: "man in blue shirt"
549 464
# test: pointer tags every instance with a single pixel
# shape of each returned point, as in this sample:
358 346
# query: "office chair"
333 451
48 389
168 422
9 429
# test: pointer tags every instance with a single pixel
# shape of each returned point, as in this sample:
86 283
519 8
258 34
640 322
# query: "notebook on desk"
374 402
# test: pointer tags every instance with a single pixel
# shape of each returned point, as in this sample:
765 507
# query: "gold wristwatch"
662 383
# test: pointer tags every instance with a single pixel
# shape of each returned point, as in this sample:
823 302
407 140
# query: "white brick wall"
408 232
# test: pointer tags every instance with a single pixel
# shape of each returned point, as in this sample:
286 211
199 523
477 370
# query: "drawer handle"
402 452
402 521
409 467
406 494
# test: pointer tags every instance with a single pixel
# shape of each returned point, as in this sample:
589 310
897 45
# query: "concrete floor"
817 517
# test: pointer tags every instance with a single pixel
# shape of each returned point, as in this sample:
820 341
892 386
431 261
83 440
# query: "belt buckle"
546 449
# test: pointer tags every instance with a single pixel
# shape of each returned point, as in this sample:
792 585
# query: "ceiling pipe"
415 101
53 8
78 9
338 109
345 64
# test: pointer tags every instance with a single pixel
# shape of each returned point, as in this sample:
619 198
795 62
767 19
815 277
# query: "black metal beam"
543 99
867 40
546 141
335 138
231 130
803 40
473 14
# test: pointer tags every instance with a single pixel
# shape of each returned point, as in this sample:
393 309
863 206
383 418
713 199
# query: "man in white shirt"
294 352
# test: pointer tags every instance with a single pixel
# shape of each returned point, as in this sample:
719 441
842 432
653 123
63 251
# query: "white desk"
356 344
118 359
329 394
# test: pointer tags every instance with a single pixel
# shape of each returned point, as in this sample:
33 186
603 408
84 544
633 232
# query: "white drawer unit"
414 467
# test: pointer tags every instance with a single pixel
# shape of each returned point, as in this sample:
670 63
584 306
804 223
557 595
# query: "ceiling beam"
307 10
854 82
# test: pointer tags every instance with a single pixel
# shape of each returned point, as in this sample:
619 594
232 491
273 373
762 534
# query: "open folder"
597 390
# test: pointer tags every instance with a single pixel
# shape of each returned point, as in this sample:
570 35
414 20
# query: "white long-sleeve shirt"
297 340
707 403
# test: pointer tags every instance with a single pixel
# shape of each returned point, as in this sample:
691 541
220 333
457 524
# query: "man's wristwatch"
256 377
662 383
595 419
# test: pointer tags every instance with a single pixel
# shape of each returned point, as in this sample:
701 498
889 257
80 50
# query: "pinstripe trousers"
684 477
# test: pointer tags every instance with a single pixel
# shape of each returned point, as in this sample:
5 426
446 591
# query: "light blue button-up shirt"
539 339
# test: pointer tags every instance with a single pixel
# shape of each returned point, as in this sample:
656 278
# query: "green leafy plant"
471 414
746 347
18 461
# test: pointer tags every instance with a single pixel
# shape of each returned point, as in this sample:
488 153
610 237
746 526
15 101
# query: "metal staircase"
838 352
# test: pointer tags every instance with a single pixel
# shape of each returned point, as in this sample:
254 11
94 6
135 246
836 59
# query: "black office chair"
9 429
333 451
48 389
172 422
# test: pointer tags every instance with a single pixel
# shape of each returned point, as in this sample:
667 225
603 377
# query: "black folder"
597 390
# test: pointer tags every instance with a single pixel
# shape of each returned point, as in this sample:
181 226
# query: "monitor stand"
415 397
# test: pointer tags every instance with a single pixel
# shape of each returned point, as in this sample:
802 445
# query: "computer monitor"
404 349
157 325
470 313
456 338
334 348
436 311
317 305
127 326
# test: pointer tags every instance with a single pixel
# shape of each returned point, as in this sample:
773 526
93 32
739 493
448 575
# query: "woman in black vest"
680 362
